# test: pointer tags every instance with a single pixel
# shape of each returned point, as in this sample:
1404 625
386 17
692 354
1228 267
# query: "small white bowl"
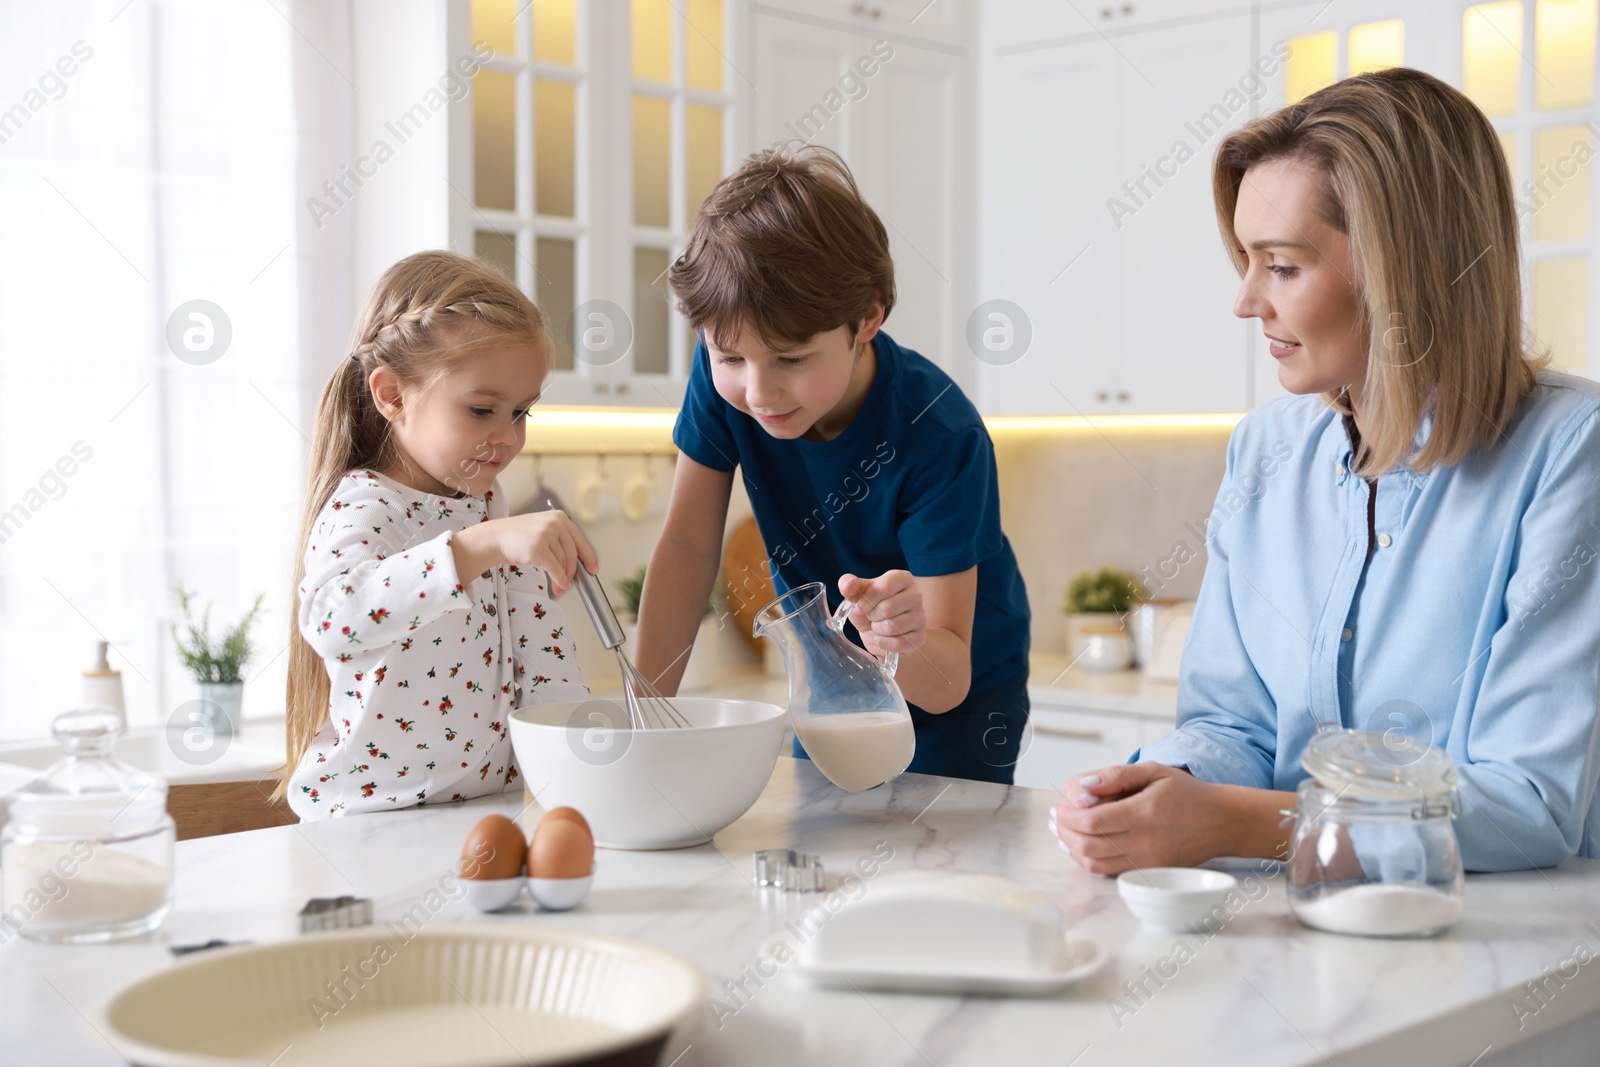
560 894
492 894
1177 899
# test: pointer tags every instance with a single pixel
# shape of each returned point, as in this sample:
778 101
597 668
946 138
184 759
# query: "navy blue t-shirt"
910 484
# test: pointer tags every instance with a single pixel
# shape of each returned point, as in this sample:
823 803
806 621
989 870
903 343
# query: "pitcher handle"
890 661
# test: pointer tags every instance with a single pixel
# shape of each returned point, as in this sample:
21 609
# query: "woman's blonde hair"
1413 172
425 313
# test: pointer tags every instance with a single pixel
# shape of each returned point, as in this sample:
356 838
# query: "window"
146 437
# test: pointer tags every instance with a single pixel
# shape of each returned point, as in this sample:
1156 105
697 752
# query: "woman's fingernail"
1088 800
1087 780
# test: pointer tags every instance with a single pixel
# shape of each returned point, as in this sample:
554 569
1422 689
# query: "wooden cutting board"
746 578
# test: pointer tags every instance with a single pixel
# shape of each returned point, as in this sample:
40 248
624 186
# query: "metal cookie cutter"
335 913
784 868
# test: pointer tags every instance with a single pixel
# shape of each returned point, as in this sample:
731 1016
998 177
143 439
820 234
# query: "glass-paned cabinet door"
1530 65
529 214
679 106
1320 57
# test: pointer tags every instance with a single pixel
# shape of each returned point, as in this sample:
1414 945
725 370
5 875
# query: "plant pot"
699 671
702 666
1078 621
1106 648
221 701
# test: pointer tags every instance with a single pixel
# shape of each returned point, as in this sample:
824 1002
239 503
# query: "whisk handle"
595 601
890 661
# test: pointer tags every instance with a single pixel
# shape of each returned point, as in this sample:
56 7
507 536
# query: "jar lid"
1373 766
89 794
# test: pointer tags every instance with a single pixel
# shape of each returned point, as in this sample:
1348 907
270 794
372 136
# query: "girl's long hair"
1413 172
425 313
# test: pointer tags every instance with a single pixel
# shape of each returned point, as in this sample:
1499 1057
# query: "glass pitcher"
846 709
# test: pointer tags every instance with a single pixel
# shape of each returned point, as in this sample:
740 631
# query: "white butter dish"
937 932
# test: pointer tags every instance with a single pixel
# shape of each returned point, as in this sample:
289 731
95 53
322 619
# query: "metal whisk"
647 708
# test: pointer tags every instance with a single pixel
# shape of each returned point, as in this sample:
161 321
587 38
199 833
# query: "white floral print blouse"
423 665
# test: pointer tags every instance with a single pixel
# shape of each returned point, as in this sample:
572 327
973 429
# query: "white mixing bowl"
643 789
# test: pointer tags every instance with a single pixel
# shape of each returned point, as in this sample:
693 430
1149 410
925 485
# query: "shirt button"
1346 634
1384 540
490 609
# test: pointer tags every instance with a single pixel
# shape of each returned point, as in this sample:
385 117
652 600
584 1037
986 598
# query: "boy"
866 468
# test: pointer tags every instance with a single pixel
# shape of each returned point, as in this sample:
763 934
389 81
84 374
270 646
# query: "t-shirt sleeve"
950 506
702 432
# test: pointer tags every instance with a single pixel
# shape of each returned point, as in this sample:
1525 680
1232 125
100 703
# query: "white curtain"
155 153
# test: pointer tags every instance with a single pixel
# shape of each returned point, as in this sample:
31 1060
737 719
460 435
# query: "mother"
1419 552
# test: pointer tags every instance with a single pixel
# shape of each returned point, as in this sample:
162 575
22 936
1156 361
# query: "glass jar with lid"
1374 851
86 853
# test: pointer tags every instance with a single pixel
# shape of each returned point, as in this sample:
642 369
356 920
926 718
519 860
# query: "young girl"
1422 561
422 612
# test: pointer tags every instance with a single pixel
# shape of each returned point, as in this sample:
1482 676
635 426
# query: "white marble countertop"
1262 991
1052 683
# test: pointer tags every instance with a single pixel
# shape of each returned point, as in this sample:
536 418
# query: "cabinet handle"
602 387
1062 731
1105 12
622 387
1127 9
1102 396
1122 395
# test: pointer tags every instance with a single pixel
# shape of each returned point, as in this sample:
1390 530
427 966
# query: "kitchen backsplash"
1070 500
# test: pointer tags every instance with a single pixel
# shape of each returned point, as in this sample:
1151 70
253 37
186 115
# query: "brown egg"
562 848
494 848
572 814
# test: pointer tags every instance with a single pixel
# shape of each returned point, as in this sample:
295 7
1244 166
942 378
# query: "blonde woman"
1419 552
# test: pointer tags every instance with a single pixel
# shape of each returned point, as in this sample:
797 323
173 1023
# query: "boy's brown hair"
787 245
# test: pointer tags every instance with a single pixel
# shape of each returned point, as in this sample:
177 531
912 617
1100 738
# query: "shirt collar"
1344 444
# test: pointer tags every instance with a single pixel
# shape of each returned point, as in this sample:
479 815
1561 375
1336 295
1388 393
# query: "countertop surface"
1261 991
1053 682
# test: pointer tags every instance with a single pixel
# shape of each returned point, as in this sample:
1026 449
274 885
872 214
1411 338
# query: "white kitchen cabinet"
1097 221
1024 24
577 162
1047 242
903 129
1063 741
926 21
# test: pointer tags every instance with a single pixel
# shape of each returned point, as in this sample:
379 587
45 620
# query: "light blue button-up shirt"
1472 621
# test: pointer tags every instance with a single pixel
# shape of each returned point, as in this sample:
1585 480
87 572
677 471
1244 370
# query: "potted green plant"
216 663
702 659
1097 605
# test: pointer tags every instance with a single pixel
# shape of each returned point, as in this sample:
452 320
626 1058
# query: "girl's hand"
548 540
1142 815
887 611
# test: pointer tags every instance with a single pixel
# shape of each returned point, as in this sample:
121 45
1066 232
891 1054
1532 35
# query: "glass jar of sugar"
1374 852
86 853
